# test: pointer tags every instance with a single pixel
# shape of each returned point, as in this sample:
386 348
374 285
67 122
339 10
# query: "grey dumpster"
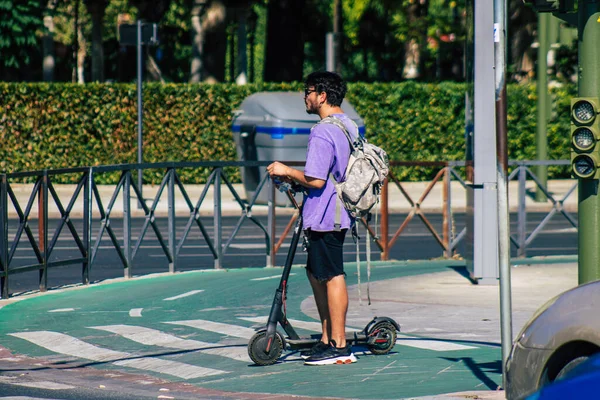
271 126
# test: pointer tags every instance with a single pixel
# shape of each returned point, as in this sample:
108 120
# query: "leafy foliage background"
49 126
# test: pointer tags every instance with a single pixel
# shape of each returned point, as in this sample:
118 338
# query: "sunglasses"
309 91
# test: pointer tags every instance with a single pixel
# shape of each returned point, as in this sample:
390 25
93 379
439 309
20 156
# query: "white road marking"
62 310
181 296
44 385
269 277
24 398
154 337
435 345
247 246
403 340
225 329
68 345
135 312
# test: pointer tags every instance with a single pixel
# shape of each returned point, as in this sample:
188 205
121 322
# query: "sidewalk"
398 203
441 304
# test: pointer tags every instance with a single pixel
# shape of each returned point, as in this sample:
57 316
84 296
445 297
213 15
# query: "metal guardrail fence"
87 192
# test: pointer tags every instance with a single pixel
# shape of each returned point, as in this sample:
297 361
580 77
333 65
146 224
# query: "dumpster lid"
286 106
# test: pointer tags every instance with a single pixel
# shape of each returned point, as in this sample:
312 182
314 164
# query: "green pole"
589 86
541 141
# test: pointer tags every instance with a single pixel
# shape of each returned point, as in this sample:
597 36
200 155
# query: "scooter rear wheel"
385 337
257 348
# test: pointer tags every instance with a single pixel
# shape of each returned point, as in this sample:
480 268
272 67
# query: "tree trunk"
97 9
49 62
197 43
416 12
81 53
284 59
214 47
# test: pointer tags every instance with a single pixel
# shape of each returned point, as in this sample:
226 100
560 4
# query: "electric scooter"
267 344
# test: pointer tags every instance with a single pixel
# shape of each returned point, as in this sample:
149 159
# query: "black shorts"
325 254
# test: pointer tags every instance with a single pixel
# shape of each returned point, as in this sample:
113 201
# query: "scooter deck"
351 337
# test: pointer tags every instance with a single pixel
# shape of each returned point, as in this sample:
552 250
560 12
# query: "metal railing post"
4 234
385 221
522 212
127 224
43 229
272 202
217 220
87 226
171 222
447 213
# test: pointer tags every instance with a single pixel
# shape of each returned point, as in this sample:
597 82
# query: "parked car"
583 382
562 334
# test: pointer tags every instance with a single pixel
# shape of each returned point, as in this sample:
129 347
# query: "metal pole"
218 239
4 235
127 224
385 223
43 230
139 109
446 212
271 223
172 221
589 85
87 226
522 216
541 142
502 173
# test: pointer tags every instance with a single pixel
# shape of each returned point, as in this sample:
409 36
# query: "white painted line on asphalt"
218 327
269 277
135 312
62 310
247 246
25 398
44 385
181 296
71 346
435 345
154 337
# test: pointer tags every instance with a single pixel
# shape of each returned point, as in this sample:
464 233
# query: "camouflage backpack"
367 169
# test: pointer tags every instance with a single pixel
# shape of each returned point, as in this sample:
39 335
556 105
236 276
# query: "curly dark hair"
330 83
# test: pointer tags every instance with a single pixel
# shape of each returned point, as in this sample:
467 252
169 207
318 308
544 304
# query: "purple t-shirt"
328 152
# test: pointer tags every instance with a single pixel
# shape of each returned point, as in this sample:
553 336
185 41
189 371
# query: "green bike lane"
193 328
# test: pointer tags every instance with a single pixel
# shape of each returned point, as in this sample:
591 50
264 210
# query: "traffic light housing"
585 137
553 6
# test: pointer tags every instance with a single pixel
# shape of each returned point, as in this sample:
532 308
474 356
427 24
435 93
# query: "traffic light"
553 6
585 137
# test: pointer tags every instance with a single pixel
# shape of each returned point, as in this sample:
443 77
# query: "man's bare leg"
337 300
321 298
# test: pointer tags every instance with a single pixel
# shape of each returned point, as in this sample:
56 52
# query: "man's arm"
284 172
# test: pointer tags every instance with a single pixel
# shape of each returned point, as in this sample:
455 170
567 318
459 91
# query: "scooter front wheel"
382 337
257 348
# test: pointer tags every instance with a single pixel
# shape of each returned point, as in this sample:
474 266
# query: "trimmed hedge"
69 125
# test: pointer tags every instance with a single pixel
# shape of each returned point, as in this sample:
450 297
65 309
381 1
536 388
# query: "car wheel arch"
563 356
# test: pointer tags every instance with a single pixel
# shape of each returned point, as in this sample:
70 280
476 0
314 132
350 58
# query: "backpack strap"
338 122
337 222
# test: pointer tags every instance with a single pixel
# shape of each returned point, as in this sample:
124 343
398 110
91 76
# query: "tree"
19 22
97 9
285 45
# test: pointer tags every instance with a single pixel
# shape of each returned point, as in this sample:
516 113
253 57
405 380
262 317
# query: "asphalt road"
248 247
